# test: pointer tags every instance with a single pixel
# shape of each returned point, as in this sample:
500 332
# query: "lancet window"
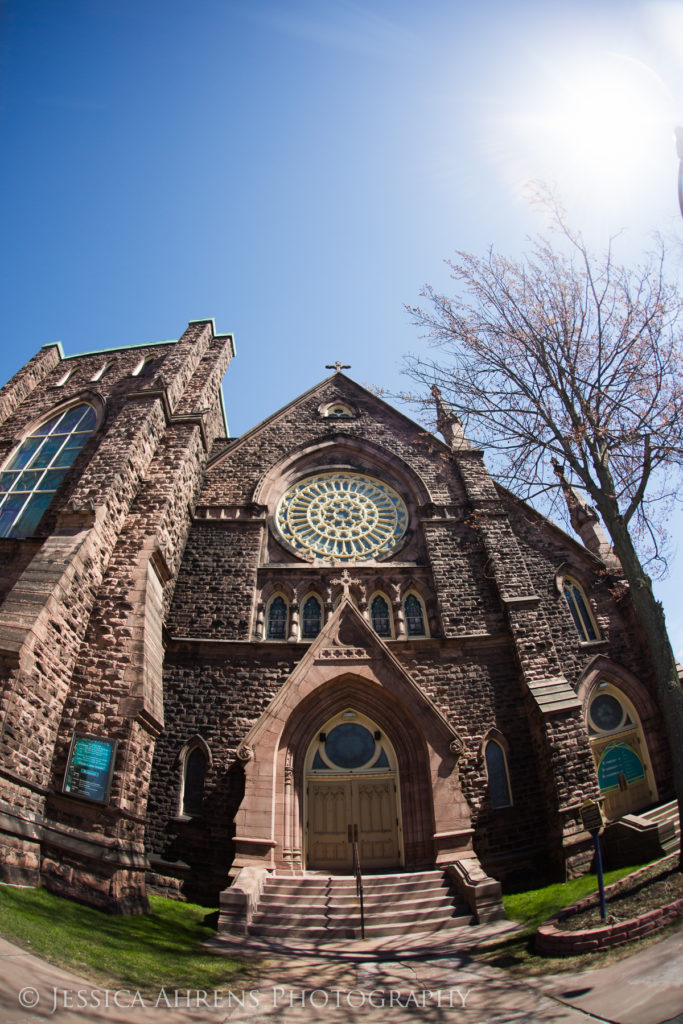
311 620
277 617
380 615
580 610
414 615
194 777
497 771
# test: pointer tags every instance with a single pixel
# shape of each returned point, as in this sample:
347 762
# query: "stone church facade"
223 658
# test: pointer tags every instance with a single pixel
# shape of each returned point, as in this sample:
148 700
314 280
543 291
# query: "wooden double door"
341 805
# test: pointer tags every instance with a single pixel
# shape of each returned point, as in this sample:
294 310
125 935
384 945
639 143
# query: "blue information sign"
90 767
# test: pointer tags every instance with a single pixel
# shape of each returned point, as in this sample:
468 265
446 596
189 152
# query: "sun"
599 126
606 117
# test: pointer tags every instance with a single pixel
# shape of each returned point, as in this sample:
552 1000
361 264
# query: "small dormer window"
339 411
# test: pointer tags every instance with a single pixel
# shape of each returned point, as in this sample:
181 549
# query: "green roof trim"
119 348
57 345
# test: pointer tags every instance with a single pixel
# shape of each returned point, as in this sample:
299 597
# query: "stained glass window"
312 618
579 609
277 619
496 769
381 619
31 478
342 517
620 766
415 625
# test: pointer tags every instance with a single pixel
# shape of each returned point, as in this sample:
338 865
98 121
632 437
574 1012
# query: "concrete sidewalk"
432 985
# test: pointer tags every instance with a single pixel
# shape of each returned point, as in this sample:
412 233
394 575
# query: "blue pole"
601 880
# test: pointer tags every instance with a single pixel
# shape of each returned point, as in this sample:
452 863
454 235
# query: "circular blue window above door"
350 747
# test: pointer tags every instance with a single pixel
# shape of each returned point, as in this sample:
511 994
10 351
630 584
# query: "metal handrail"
359 880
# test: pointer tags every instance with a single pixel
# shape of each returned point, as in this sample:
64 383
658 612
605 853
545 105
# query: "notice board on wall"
90 767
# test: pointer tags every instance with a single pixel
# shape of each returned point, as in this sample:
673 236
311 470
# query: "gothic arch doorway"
351 790
621 756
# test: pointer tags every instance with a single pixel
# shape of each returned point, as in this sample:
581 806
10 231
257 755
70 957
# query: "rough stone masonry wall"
621 639
217 580
216 692
477 688
109 693
567 773
234 478
44 617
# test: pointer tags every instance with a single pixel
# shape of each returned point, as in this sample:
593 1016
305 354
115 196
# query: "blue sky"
298 170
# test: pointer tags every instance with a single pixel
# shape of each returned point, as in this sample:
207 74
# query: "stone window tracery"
32 476
342 517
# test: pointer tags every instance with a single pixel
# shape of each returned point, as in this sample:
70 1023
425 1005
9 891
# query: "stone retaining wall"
552 941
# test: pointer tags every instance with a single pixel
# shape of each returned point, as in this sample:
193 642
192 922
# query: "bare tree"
566 357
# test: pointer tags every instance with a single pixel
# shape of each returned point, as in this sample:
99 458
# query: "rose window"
342 517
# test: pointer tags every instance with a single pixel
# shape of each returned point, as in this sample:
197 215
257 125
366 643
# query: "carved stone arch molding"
87 396
404 734
341 451
600 669
348 666
344 454
643 720
196 740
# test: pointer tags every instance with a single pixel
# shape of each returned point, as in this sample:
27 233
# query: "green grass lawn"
534 906
150 951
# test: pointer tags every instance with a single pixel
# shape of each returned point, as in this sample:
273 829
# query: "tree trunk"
651 618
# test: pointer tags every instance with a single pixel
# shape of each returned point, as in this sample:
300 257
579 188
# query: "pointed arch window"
415 617
312 618
31 478
580 610
194 777
276 622
497 771
380 615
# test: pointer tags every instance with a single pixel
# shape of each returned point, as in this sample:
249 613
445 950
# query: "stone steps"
667 813
320 908
642 837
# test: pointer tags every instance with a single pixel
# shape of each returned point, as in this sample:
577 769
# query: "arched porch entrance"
348 669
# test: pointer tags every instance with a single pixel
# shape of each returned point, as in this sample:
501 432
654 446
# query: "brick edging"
551 941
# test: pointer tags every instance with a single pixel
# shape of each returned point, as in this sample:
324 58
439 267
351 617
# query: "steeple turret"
449 424
584 518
